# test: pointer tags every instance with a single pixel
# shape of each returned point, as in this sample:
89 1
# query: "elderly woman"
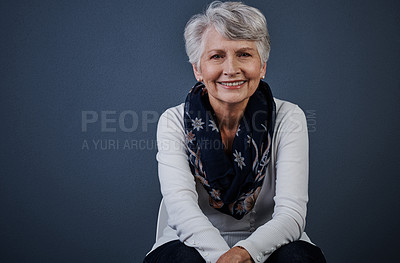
233 160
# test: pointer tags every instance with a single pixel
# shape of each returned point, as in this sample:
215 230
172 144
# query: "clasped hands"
236 255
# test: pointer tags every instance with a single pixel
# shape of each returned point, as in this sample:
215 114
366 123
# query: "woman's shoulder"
289 116
172 118
176 111
284 108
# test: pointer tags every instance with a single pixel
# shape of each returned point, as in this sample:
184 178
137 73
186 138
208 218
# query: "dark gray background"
339 60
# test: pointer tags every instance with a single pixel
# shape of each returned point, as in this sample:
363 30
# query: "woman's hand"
236 255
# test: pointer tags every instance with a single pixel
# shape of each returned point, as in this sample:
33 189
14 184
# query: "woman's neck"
228 116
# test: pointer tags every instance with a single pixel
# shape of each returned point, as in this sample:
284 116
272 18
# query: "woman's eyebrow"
238 50
245 49
215 50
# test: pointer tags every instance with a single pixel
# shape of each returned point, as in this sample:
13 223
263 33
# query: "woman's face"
230 69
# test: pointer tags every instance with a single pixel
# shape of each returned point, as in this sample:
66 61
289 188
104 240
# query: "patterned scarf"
233 182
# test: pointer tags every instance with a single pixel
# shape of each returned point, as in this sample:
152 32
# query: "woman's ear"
263 71
197 73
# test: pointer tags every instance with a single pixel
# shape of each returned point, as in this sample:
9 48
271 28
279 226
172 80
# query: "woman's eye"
216 56
244 55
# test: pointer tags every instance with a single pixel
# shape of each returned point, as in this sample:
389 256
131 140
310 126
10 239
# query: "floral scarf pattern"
233 182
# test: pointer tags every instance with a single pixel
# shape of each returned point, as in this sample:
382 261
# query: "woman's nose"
231 66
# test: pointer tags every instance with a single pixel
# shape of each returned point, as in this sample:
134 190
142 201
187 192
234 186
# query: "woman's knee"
188 254
174 252
297 252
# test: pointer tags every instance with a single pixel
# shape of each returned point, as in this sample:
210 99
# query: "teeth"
237 83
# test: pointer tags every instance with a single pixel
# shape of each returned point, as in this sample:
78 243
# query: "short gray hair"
234 21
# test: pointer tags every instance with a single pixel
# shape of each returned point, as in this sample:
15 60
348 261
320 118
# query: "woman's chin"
233 100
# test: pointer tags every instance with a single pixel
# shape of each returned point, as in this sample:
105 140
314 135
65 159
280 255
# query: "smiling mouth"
232 84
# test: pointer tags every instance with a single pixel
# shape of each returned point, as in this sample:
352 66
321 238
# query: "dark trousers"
294 252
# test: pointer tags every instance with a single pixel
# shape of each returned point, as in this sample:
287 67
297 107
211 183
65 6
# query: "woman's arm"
291 196
179 192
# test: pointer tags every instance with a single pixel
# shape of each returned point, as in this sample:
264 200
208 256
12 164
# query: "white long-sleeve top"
278 216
